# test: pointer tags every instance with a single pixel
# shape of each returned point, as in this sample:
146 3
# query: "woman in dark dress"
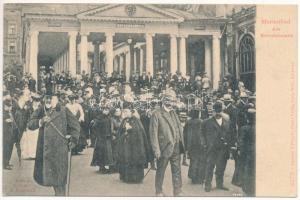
192 131
103 155
132 148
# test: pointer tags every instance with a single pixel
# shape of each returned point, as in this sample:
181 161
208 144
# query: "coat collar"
215 123
53 114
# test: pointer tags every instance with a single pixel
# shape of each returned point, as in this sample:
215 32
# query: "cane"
68 137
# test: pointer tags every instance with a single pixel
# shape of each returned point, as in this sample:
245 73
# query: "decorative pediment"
130 12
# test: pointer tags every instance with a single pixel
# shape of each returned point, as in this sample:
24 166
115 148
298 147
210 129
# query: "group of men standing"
78 114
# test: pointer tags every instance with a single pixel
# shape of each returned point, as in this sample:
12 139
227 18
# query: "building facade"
133 39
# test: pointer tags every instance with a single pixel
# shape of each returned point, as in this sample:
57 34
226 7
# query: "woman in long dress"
133 148
77 111
103 155
30 137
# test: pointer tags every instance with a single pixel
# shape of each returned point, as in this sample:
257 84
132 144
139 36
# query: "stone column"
27 64
109 53
96 56
121 63
118 64
173 55
134 60
115 67
33 60
216 61
84 65
67 61
141 60
127 68
182 65
208 68
149 53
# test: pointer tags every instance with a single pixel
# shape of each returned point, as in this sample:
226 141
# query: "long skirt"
197 168
131 173
29 143
103 155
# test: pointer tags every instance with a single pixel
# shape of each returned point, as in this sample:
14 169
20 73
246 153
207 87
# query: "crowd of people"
150 120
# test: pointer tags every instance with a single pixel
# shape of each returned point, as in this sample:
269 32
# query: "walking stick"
68 137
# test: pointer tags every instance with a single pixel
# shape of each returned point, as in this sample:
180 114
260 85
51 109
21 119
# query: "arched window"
247 61
247 55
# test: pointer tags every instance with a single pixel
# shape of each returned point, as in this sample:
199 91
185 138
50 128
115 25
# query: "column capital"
216 36
109 34
84 33
149 34
172 35
33 33
183 35
72 33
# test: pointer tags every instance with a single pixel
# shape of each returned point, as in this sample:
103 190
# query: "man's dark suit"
216 140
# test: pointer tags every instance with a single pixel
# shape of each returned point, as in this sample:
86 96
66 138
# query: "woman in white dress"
29 140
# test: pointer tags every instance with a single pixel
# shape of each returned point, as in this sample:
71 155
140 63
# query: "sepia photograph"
129 100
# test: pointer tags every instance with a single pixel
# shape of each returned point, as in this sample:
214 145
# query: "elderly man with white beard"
54 122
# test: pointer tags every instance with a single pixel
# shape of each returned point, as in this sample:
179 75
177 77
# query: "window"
12 29
247 62
247 55
12 46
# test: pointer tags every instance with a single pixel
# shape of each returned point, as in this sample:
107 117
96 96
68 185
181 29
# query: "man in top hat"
166 136
216 131
54 122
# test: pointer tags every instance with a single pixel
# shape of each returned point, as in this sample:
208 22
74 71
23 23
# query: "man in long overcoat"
167 142
246 147
54 122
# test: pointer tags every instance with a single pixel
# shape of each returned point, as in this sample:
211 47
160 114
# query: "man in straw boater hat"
166 138
58 132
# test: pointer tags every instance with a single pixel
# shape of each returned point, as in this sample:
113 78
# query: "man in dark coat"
246 149
31 83
216 134
8 129
145 119
232 111
55 122
93 112
242 107
192 131
167 142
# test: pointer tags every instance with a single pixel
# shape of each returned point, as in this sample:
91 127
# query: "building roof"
75 9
